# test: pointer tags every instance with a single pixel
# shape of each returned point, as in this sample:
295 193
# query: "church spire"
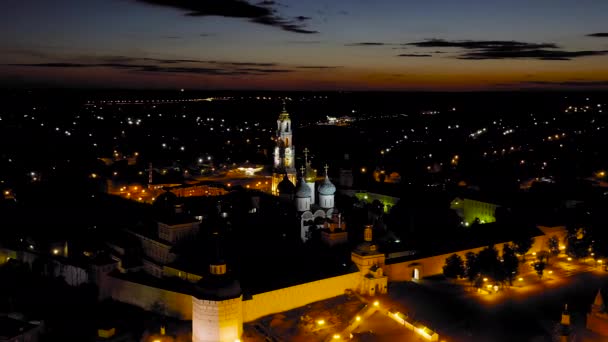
598 302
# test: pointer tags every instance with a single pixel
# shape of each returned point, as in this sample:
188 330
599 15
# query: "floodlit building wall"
484 211
296 296
175 304
598 323
369 197
404 271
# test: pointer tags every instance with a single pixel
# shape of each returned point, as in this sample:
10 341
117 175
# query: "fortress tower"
217 309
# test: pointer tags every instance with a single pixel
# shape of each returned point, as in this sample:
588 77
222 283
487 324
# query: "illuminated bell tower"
284 151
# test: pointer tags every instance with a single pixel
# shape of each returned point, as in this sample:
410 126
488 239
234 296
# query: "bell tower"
284 151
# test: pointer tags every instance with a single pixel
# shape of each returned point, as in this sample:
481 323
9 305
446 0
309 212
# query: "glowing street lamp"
376 303
358 318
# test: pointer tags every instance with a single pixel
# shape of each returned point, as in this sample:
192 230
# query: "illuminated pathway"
517 314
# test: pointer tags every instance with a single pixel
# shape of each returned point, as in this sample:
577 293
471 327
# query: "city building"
474 211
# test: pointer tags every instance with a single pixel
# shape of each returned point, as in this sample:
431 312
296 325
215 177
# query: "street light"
376 303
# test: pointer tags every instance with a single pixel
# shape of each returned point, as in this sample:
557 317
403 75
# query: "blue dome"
303 190
327 187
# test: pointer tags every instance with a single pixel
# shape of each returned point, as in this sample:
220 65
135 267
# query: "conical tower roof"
286 187
598 302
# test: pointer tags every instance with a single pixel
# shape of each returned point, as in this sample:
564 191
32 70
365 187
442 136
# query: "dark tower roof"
286 187
218 284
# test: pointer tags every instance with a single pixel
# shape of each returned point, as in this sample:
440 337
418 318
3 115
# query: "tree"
510 263
523 245
539 267
454 267
543 256
578 242
489 263
553 245
471 266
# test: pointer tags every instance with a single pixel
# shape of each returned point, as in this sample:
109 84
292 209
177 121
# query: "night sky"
305 44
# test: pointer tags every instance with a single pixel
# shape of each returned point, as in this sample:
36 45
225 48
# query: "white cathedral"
315 208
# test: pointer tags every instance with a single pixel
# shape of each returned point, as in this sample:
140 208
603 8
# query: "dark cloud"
262 13
369 44
598 34
502 49
125 59
161 68
178 66
483 44
414 55
546 55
